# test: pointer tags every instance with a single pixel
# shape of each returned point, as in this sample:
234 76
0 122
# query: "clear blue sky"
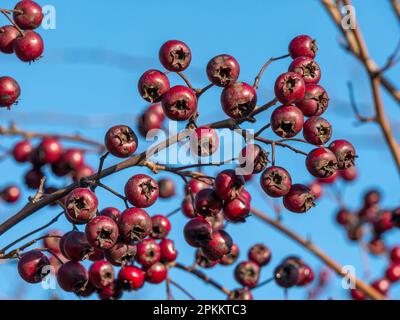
87 79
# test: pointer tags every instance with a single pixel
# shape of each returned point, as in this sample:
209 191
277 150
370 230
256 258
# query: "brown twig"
182 289
396 8
6 13
259 75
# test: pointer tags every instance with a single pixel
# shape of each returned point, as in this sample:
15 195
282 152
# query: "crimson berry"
179 103
121 254
121 141
8 34
28 15
53 242
82 172
383 222
349 174
253 158
72 277
372 197
9 91
151 119
49 150
307 68
321 162
228 185
197 231
204 262
166 188
72 159
276 181
395 254
131 278
238 209
357 294
161 226
33 178
344 152
315 101
343 217
96 255
231 257
32 266
134 224
286 275
141 190
156 109
168 250
112 292
396 217
317 130
101 274
156 273
207 202
204 141
75 246
153 84
289 88
187 207
316 189
376 246
247 273
381 285
219 245
260 254
195 185
223 70
240 294
11 194
287 121
81 205
22 151
306 275
303 45
87 292
102 232
29 47
329 180
299 199
217 221
368 213
175 55
111 212
238 100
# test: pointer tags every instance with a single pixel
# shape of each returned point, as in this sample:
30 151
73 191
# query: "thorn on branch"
39 193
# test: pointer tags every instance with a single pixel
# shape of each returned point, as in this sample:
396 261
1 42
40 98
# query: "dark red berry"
33 178
111 212
82 172
75 246
187 207
331 179
156 273
48 151
231 257
72 277
11 194
33 266
317 130
29 47
153 84
81 205
9 91
168 251
121 141
121 254
253 159
22 151
28 15
204 262
161 226
217 221
315 101
151 119
240 294
321 162
381 285
287 121
238 100
204 141
289 88
349 174
303 45
376 246
316 189
53 242
260 254
306 275
286 275
383 222
372 197
307 68
357 294
166 188
228 185
134 224
238 209
395 254
368 213
207 202
141 190
219 245
344 152
112 292
72 159
223 70
195 185
131 278
276 181
247 273
179 103
102 232
87 292
343 217
175 55
197 231
8 34
299 199
98 254
101 274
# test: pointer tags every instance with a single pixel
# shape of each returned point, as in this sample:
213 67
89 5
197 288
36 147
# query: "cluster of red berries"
21 40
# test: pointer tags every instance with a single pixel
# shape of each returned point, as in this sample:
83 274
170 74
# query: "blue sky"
87 79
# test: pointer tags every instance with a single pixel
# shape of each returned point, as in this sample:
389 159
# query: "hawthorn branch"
6 13
259 75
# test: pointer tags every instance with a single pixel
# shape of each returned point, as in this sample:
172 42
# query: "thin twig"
182 289
259 75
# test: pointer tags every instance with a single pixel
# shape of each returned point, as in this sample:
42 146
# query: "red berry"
11 194
22 151
331 179
75 246
238 209
168 251
156 273
276 181
299 199
197 231
153 84
381 285
48 151
175 55
82 172
72 277
253 158
383 222
121 141
134 224
121 254
317 130
368 213
228 185
238 100
303 45
231 257
101 274
207 202
53 243
102 232
33 178
357 294
204 141
306 275
219 245
195 185
218 221
203 261
187 207
223 70
343 217
112 292
141 190
260 254
307 68
9 91
247 273
166 188
287 275
289 88
321 162
315 101
72 159
32 267
8 34
150 120
98 254
29 47
349 174
28 15
81 205
161 226
287 121
376 246
179 103
111 212
316 189
372 197
131 278
240 294
344 152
